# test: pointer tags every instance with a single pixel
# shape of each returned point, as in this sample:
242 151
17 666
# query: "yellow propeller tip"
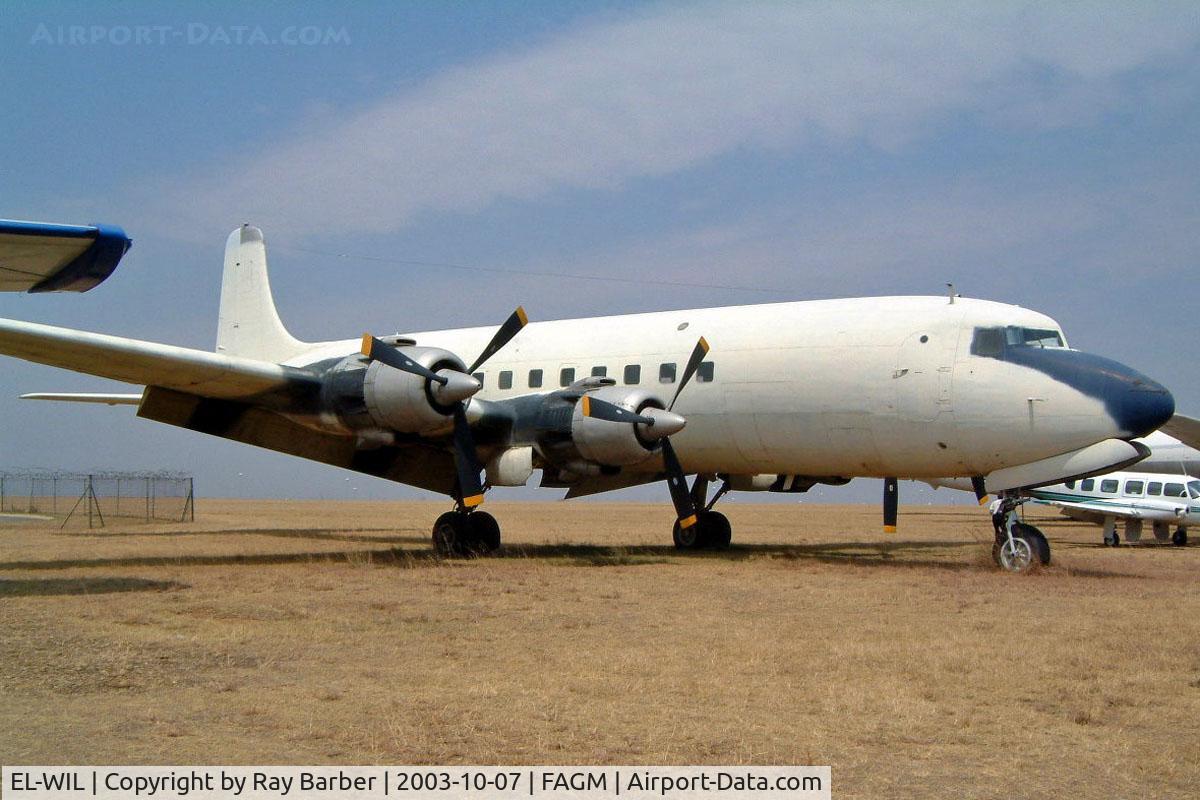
889 528
983 501
366 344
704 344
521 315
473 500
687 522
586 405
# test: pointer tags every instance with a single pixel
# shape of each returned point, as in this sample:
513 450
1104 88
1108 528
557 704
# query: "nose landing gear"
1019 547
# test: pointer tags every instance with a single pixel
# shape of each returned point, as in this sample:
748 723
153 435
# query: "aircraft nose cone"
1138 404
459 386
666 423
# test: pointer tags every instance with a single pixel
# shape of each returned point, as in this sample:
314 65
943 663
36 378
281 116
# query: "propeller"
981 493
891 504
659 424
453 388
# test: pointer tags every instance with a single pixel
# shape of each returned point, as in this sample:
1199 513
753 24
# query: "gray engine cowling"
361 395
615 444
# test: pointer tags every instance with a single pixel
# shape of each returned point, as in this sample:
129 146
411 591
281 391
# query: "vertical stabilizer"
248 324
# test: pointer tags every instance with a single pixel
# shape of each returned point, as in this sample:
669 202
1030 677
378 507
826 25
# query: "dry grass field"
325 632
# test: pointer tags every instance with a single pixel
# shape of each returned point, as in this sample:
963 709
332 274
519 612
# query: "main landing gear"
711 531
1019 547
461 533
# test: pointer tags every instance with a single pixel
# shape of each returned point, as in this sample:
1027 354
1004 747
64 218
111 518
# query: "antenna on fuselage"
953 294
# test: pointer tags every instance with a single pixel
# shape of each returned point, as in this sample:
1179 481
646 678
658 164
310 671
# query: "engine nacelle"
360 395
615 444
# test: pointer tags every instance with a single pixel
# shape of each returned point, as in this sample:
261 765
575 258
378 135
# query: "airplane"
1162 498
789 395
48 257
1169 454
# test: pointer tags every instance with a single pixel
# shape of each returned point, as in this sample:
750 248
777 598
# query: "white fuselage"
856 387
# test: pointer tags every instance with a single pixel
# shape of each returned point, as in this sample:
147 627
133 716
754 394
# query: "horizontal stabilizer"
1185 429
87 397
45 257
148 363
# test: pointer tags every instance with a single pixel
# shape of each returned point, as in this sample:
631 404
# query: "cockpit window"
992 342
1194 489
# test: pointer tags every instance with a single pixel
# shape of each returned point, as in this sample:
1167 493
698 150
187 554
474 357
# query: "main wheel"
1112 539
689 538
1036 539
451 534
716 531
1179 538
484 533
1014 555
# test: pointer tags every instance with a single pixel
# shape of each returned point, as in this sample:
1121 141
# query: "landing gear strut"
461 533
1019 547
711 529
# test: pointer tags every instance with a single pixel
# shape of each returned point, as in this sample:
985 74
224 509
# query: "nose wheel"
1179 538
1019 547
462 534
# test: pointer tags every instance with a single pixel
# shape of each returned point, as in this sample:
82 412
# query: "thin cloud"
676 87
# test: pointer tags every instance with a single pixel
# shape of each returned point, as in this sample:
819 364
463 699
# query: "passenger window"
599 372
505 379
535 379
1108 487
633 374
666 373
1070 484
1174 490
1154 488
478 376
566 376
1087 485
705 373
1134 487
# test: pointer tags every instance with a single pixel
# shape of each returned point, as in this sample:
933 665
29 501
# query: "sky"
592 158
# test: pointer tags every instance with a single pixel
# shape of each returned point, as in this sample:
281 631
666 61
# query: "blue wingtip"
92 266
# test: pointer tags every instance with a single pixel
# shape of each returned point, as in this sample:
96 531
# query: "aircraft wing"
197 372
1185 429
131 399
45 257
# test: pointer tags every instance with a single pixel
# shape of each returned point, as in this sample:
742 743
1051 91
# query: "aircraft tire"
1112 541
449 534
1022 556
1036 539
716 533
688 538
1179 538
484 536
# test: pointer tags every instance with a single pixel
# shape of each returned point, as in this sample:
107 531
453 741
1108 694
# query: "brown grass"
307 632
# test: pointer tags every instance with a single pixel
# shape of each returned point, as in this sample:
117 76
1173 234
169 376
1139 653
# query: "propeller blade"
466 460
981 493
693 364
891 504
511 327
376 350
685 507
602 409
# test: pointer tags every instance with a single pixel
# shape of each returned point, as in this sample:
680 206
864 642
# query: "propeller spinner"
453 388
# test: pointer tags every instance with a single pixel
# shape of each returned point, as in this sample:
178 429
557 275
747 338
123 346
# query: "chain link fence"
89 498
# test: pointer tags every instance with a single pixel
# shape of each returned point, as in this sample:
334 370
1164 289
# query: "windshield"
993 341
1194 489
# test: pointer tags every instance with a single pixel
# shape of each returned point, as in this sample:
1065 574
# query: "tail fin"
248 324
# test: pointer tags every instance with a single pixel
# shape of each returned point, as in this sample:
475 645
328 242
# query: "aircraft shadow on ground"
360 536
48 587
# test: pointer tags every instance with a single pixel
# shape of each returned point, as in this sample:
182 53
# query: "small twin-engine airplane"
1165 499
790 395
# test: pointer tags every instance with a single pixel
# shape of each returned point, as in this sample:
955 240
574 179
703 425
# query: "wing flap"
148 363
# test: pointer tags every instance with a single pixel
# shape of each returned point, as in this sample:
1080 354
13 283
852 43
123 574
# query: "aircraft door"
923 375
